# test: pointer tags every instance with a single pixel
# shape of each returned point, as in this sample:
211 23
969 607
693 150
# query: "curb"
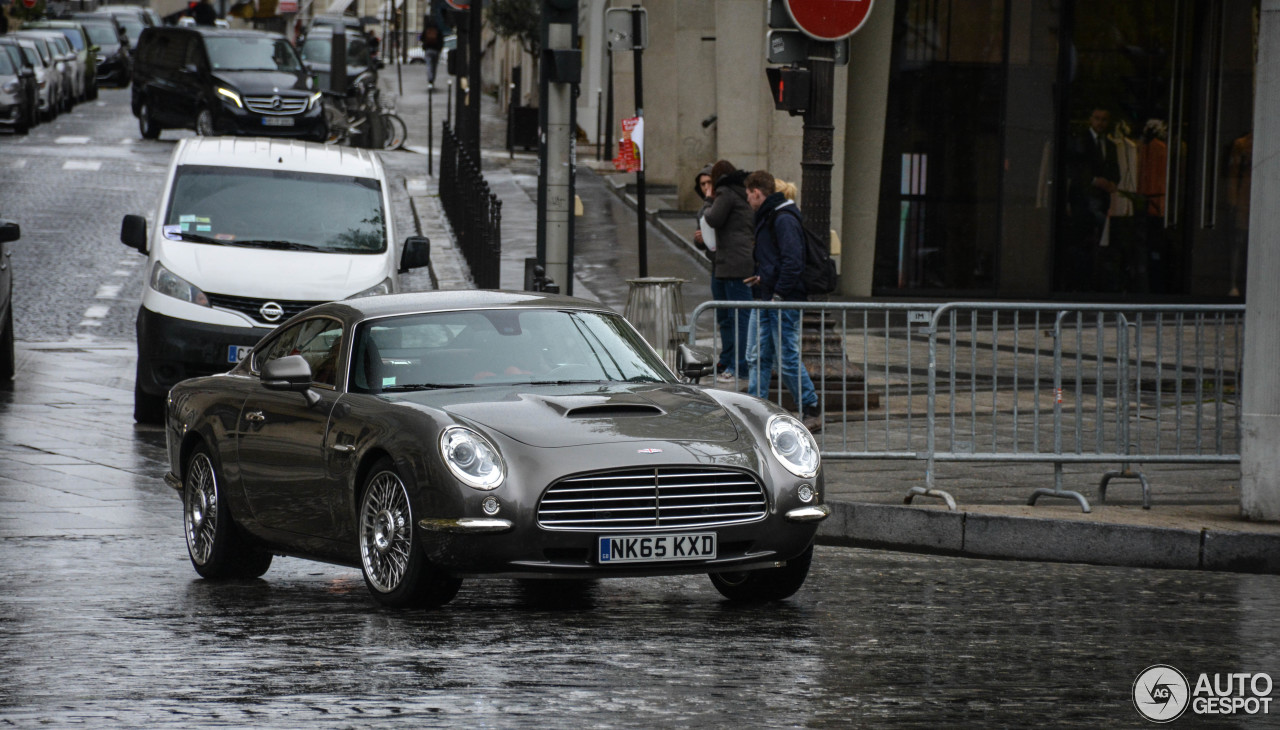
976 535
657 220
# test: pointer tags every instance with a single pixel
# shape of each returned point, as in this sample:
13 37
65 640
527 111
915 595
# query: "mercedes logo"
271 312
275 102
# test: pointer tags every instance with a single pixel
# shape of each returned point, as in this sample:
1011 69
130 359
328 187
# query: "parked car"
236 219
115 65
224 82
424 437
187 21
9 231
317 50
16 104
86 50
48 79
69 63
28 83
131 18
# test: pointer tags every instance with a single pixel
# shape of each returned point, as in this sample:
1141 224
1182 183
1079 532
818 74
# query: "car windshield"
280 209
73 37
33 58
132 27
42 49
500 347
6 66
319 46
102 35
243 53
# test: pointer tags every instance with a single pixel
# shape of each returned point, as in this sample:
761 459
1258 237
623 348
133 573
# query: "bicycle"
394 129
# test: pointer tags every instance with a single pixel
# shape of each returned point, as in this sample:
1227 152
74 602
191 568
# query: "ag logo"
1161 693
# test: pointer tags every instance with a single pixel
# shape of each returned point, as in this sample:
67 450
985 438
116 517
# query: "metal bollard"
655 306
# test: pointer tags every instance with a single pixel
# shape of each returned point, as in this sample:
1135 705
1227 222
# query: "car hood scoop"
570 416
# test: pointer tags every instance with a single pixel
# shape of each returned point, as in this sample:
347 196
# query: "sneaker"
726 376
812 420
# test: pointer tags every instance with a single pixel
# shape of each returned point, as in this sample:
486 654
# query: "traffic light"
790 88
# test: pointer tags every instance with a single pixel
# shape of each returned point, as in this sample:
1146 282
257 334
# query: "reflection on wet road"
120 631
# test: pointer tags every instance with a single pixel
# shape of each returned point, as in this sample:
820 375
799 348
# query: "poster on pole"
630 157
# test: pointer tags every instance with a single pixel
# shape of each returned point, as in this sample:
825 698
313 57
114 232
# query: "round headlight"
472 458
793 445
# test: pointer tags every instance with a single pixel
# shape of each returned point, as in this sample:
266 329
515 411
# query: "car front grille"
252 308
654 498
277 105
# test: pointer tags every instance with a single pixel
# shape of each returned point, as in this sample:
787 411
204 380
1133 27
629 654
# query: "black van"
219 81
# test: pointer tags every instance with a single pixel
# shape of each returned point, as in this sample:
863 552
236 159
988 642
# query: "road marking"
128 140
107 291
90 165
71 140
18 164
121 272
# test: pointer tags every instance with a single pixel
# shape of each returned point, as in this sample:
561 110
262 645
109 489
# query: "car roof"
456 299
261 153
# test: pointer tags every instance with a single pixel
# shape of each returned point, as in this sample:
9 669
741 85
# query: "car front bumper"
171 349
309 125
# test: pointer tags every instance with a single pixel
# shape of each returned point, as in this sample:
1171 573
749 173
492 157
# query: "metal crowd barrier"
1008 382
473 211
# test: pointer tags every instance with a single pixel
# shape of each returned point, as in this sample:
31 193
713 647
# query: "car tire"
395 568
770 584
8 358
217 546
147 408
147 126
204 124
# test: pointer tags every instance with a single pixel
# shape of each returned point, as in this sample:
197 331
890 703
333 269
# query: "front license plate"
236 353
652 548
278 121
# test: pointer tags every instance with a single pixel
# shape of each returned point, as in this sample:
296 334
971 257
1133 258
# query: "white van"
251 232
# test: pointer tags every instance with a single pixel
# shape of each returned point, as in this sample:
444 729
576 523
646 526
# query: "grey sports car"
429 437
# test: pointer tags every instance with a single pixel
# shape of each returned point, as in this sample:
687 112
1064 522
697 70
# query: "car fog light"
491 506
805 493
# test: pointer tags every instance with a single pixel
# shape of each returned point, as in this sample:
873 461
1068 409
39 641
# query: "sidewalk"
1194 521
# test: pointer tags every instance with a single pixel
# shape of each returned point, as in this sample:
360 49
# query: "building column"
1260 399
870 58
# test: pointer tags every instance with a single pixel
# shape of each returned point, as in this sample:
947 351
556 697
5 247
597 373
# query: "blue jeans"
732 324
794 375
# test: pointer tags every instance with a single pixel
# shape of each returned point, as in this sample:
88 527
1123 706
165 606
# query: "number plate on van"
278 121
236 353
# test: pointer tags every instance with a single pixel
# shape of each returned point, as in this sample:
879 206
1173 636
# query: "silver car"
57 67
48 80
73 65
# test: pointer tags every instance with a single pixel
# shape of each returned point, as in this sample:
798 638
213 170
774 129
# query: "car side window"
318 341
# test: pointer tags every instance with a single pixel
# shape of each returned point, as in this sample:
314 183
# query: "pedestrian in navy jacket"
779 256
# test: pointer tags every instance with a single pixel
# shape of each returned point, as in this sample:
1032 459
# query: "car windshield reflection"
240 53
512 347
327 213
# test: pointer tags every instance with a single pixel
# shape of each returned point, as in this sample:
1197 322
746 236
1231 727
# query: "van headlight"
793 445
382 287
314 101
472 458
171 285
229 95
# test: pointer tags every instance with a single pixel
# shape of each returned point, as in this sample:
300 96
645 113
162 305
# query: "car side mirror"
133 232
95 49
694 362
291 373
416 254
9 231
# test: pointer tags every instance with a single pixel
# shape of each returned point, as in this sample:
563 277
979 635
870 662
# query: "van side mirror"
9 231
133 232
694 362
416 254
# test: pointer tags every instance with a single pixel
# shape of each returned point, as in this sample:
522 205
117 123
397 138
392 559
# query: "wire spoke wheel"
201 509
386 532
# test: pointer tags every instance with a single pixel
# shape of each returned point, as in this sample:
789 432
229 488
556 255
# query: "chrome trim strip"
466 525
809 514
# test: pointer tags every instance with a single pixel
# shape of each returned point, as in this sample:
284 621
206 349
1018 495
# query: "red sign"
630 157
829 20
28 3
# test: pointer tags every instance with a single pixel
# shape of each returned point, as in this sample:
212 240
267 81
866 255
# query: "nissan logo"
271 312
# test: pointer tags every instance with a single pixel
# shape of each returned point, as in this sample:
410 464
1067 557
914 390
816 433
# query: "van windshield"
277 209
241 53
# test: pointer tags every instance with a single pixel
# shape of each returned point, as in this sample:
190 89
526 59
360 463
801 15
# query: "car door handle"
255 416
343 448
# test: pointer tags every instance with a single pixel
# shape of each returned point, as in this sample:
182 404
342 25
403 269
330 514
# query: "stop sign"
829 20
28 3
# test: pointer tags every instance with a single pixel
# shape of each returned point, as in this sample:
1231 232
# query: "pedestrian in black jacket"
729 216
779 257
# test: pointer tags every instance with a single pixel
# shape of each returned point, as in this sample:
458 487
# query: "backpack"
819 276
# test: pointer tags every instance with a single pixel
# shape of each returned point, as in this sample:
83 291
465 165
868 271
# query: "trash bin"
655 307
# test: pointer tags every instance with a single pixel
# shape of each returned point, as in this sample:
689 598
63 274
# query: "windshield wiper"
195 237
642 379
557 382
284 245
426 386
